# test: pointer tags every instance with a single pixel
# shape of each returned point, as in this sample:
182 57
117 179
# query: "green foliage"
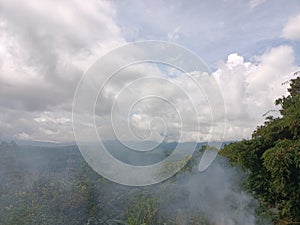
287 126
31 195
146 210
272 157
143 212
198 219
170 166
283 163
48 195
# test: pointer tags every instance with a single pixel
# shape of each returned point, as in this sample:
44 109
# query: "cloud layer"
250 88
292 29
45 49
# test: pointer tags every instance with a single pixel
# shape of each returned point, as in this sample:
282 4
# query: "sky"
250 46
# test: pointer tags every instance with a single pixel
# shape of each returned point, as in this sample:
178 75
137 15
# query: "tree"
272 156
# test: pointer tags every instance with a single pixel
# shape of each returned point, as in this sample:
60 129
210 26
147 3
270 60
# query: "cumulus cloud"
180 110
291 29
250 88
150 101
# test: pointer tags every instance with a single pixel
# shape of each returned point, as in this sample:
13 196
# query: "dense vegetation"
272 158
41 185
56 186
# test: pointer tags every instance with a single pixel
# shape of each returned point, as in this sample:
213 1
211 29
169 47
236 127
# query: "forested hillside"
272 158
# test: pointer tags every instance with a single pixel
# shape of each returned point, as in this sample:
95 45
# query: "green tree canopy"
272 156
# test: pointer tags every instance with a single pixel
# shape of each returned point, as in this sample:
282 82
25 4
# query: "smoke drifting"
217 193
53 185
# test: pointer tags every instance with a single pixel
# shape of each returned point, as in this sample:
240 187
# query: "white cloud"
174 35
250 88
48 46
45 47
156 103
22 136
255 3
291 29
